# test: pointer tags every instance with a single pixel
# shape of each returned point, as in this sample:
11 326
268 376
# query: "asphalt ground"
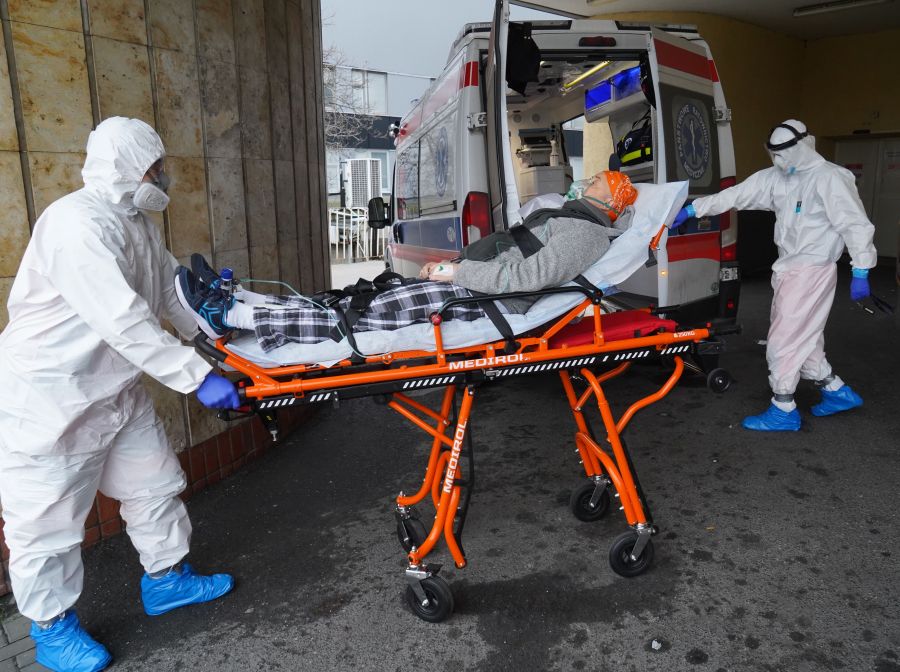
775 551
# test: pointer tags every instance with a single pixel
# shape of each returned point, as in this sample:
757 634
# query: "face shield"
782 143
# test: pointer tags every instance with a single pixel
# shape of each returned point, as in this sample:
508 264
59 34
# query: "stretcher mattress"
656 204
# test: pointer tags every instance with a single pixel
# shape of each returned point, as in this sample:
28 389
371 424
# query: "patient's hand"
426 269
443 272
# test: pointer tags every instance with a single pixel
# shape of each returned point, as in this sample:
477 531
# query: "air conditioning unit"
362 181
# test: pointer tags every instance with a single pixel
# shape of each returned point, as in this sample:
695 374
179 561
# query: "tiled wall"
233 87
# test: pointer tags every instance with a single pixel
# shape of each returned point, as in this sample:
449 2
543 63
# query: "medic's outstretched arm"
754 193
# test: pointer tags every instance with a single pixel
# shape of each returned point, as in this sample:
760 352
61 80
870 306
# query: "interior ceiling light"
834 6
584 75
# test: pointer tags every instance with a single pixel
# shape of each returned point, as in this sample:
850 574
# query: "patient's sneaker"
204 273
773 420
207 307
841 399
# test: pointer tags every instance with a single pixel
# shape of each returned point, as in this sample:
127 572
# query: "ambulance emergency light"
597 96
626 82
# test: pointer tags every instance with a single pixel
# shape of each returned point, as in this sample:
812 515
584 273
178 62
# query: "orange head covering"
621 193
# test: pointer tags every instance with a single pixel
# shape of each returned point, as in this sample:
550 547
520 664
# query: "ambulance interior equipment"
565 332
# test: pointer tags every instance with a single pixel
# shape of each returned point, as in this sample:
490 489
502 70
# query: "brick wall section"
204 465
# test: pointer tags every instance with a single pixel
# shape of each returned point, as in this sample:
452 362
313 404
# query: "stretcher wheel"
620 555
580 503
718 380
440 600
411 532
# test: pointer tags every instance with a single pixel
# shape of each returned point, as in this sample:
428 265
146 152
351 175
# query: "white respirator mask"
152 195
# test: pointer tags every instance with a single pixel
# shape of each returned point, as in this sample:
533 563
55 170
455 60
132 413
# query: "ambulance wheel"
620 555
580 503
411 532
439 600
718 380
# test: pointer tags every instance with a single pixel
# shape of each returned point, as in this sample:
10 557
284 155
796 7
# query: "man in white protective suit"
818 212
84 324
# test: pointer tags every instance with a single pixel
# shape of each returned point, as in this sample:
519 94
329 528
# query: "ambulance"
478 145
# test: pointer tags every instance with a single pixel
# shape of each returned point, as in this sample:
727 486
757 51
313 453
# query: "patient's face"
599 189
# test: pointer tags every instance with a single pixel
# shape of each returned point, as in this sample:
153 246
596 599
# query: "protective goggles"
798 136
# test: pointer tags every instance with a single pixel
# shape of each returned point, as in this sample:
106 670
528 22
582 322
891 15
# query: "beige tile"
256 133
264 266
170 407
8 138
261 220
289 262
215 25
65 14
120 19
178 95
276 38
188 209
5 286
285 208
202 421
220 109
122 73
237 260
250 34
226 197
172 24
14 231
53 84
53 176
282 141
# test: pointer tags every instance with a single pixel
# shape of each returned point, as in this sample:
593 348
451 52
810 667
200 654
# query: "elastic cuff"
690 210
860 272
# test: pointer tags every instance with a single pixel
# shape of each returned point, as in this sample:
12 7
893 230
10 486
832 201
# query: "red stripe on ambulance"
694 246
670 56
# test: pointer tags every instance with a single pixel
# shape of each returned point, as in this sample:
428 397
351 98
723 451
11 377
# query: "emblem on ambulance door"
442 161
692 141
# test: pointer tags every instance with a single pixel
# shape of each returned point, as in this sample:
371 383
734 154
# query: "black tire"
411 532
718 380
580 503
620 555
440 600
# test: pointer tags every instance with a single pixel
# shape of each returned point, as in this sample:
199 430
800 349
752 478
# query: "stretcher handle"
449 303
654 244
203 345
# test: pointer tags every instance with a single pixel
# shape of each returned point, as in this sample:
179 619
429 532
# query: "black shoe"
207 307
205 274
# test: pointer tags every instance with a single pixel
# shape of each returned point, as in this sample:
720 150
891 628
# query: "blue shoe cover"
842 399
66 647
773 420
179 589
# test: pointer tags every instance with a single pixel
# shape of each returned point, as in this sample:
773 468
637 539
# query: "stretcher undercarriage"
585 346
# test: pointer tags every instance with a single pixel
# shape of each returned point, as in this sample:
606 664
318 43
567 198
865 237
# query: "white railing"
351 238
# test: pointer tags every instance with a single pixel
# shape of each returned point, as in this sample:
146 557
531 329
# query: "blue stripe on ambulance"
443 233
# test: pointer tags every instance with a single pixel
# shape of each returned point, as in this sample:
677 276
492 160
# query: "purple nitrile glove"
218 392
859 284
683 215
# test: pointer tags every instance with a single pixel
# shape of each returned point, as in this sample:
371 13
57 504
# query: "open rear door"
501 179
687 148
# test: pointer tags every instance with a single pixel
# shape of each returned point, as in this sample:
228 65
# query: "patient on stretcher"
553 247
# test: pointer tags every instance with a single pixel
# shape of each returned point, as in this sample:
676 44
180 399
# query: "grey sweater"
571 246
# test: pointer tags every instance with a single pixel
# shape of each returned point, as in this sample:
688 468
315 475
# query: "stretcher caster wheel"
411 532
620 555
580 502
718 380
438 604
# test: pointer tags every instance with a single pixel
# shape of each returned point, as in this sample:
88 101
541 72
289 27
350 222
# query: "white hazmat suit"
817 212
84 324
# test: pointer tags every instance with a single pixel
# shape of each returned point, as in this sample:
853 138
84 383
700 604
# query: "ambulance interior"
582 90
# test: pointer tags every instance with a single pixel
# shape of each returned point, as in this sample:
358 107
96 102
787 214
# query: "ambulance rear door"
687 148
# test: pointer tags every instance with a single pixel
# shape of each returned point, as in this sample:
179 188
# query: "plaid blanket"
301 321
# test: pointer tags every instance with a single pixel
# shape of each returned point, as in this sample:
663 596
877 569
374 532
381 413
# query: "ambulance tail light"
476 217
727 226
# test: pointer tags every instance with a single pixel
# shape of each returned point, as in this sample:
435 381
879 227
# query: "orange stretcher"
592 348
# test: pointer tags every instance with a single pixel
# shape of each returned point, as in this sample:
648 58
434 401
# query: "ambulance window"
407 182
437 166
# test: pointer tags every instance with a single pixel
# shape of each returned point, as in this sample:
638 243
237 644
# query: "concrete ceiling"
775 15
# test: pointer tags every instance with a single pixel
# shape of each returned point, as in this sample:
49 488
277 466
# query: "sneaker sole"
203 324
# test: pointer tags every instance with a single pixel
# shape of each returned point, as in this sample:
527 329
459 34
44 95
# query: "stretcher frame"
393 375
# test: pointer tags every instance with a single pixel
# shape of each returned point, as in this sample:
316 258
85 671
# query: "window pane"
377 92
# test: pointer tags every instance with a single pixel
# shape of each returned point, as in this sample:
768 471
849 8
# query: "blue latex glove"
218 392
859 284
683 215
